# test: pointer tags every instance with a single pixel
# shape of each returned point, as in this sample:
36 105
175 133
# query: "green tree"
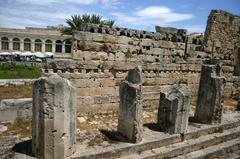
75 22
110 23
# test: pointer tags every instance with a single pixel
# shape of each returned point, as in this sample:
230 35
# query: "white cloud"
153 15
84 2
40 13
52 12
153 11
20 16
17 22
67 2
88 2
37 2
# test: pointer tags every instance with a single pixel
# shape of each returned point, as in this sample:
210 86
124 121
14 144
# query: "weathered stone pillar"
210 94
174 108
130 107
54 116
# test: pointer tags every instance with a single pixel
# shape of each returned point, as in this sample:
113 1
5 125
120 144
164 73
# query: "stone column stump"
210 94
54 116
174 108
130 107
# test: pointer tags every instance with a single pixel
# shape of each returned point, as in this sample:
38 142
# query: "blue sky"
138 14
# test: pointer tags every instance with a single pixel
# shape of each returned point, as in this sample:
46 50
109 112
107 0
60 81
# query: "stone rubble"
3 128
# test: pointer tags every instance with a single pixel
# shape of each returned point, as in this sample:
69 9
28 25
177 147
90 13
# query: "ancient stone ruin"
54 117
210 95
130 107
101 71
102 56
174 109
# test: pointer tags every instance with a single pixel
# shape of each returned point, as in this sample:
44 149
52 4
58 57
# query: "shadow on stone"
153 126
114 136
24 147
238 107
192 119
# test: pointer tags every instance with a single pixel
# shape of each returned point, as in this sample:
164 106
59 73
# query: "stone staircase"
200 141
207 146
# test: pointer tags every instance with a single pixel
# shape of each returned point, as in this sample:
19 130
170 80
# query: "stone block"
174 108
210 94
166 44
123 40
130 107
169 30
54 116
119 56
146 42
98 37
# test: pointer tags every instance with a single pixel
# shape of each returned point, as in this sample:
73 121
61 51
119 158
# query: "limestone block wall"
223 31
223 28
102 56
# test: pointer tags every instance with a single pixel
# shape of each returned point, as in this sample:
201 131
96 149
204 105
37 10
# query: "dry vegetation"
21 128
93 130
13 91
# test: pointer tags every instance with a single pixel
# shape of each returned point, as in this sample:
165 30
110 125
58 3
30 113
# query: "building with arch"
48 39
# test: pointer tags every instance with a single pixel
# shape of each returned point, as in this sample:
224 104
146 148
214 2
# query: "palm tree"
110 23
95 19
76 21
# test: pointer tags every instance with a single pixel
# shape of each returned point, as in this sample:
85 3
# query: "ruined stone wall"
223 28
223 31
102 57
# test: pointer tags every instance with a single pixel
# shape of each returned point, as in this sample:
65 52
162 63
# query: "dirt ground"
92 128
13 91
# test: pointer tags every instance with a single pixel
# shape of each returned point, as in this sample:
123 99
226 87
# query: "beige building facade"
36 40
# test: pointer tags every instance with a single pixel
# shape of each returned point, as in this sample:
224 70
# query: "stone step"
231 155
187 146
220 151
125 149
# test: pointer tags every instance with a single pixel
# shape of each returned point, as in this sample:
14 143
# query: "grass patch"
219 129
13 71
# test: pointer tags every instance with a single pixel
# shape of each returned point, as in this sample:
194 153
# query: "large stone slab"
174 108
210 94
130 107
54 116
